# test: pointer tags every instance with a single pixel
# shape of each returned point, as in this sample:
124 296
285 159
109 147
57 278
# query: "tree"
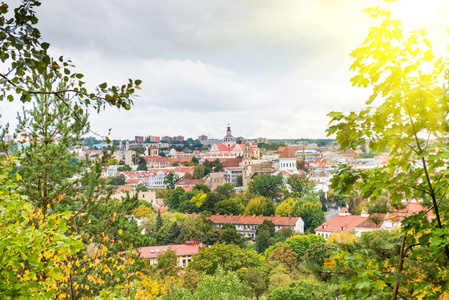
267 225
199 172
124 168
312 215
228 206
170 180
226 190
167 263
120 180
50 184
27 55
338 199
142 167
229 235
141 188
323 200
26 237
285 255
405 107
285 208
222 286
300 186
303 290
175 198
260 206
47 172
142 211
229 257
267 186
299 243
263 240
201 187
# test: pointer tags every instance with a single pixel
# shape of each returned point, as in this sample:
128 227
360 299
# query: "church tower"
247 154
228 140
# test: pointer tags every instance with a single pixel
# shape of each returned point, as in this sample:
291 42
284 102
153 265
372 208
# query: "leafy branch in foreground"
407 115
22 49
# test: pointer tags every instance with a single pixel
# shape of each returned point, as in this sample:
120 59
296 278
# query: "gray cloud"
269 68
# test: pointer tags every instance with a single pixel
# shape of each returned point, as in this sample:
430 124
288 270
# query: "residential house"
184 252
344 221
247 225
189 184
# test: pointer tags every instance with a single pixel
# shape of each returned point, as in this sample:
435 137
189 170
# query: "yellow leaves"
55 65
330 263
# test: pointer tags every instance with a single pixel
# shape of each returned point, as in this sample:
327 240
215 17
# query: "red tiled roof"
255 220
374 221
348 223
124 188
232 162
293 148
410 209
133 181
287 153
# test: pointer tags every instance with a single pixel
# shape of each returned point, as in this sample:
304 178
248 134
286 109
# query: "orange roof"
254 220
293 148
410 209
287 153
232 162
341 223
124 188
133 181
374 221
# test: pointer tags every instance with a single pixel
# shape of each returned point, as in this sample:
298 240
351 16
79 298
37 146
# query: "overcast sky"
268 68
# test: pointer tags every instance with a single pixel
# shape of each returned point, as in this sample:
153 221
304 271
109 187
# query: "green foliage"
300 186
260 206
230 257
406 114
285 208
167 263
33 246
199 172
175 198
267 186
226 190
380 205
338 199
228 206
170 180
284 254
263 240
222 286
312 215
23 49
315 257
141 188
303 290
124 168
202 188
142 167
299 243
